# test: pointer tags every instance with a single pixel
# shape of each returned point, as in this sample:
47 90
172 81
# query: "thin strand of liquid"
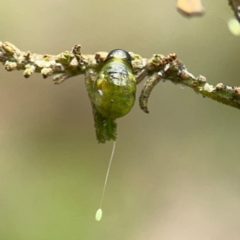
99 212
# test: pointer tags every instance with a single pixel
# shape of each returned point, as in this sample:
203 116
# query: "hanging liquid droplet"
98 215
99 212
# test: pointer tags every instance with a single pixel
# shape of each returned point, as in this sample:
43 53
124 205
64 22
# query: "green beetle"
115 87
112 91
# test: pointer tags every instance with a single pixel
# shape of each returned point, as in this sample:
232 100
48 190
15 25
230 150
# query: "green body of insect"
115 87
112 93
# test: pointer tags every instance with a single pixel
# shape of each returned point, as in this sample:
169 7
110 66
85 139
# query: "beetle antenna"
99 211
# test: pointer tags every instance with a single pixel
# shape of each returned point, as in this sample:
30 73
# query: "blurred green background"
176 171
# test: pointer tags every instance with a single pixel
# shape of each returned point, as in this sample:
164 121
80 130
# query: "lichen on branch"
72 63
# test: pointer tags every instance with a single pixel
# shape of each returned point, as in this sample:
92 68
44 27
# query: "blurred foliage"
176 171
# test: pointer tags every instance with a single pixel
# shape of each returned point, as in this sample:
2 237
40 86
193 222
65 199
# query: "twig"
72 63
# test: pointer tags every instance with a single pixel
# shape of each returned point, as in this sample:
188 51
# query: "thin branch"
72 63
